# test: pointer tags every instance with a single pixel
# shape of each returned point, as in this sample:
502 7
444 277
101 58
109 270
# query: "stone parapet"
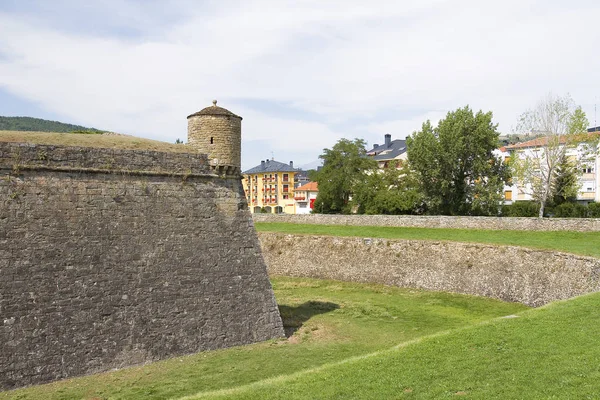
20 156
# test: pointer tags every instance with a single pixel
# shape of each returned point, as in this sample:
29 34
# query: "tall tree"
393 190
536 168
567 183
457 169
345 165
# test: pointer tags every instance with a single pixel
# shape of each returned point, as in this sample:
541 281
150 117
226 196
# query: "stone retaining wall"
110 258
492 223
532 277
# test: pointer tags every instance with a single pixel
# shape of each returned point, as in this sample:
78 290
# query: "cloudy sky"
302 73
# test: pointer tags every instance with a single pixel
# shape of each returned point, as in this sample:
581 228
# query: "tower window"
211 140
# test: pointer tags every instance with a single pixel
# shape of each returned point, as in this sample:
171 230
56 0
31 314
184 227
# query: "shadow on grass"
294 317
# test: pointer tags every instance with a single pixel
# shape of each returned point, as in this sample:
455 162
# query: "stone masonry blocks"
110 258
217 136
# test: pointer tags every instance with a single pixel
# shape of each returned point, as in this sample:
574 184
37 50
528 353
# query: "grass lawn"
584 243
548 353
92 140
333 321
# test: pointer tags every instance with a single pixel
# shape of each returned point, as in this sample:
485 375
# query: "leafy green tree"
390 191
567 183
578 122
345 166
455 164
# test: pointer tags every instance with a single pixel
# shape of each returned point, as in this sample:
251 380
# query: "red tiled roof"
542 141
310 186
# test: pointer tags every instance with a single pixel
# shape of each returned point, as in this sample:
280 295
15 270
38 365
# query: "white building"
587 162
305 197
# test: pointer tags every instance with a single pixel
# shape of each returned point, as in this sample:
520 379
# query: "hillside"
29 124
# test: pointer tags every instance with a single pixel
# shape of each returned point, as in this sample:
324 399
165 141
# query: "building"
389 151
589 178
305 197
217 132
269 187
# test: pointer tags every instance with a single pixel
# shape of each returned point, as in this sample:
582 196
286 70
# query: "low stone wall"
532 277
492 223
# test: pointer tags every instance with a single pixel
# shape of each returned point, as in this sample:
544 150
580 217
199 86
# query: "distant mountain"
29 124
312 165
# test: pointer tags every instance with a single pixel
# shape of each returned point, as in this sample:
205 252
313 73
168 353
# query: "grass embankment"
334 321
547 353
92 140
584 243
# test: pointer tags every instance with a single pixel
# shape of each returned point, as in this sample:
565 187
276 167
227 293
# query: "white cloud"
341 61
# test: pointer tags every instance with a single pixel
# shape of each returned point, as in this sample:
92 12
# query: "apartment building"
269 187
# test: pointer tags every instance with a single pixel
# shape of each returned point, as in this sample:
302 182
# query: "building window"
286 177
286 188
286 196
211 140
508 195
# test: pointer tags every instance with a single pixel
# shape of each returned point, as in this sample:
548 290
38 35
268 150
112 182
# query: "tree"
393 190
536 167
344 167
455 164
567 183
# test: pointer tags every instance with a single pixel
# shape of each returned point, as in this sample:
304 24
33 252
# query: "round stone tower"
217 132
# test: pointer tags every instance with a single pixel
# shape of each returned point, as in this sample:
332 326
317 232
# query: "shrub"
594 210
570 210
521 209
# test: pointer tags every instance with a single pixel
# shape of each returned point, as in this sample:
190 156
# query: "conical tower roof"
214 110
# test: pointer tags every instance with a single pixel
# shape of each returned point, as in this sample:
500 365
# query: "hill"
29 124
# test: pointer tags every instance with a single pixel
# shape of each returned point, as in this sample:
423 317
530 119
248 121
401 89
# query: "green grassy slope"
584 243
547 353
334 321
38 125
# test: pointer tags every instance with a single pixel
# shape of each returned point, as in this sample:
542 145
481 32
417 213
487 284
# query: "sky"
302 74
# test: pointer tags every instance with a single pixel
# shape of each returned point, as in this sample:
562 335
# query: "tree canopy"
455 164
345 166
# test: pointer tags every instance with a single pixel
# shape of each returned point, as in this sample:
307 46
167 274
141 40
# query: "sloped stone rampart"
532 277
438 221
110 258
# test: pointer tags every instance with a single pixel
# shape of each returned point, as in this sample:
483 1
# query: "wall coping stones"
439 221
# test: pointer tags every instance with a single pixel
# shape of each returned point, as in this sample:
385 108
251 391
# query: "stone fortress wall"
110 258
509 273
